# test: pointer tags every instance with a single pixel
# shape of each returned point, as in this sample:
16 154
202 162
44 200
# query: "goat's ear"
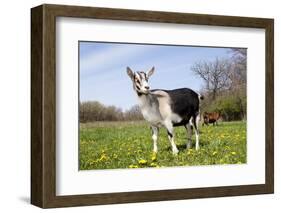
130 73
150 72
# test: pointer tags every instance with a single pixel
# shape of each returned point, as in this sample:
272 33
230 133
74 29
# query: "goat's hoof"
154 156
175 152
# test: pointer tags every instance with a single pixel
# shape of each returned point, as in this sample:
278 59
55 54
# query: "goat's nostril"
146 87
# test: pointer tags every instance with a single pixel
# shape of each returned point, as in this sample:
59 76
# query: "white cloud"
98 61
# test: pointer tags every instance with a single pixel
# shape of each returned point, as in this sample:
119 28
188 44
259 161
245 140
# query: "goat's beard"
141 92
146 92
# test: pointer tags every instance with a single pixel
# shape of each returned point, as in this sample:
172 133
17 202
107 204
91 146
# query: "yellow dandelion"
189 152
142 161
153 164
133 166
91 162
233 153
103 157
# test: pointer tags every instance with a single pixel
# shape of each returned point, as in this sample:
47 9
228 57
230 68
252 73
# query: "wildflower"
133 166
153 164
83 142
103 157
142 161
233 153
91 162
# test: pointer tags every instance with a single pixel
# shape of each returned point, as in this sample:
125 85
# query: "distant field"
111 145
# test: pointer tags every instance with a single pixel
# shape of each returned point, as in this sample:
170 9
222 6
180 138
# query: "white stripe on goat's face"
140 80
141 83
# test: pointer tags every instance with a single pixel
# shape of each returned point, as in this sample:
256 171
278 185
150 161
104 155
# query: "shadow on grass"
182 147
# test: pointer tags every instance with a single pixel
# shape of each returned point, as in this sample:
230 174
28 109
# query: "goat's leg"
169 127
189 134
196 130
155 131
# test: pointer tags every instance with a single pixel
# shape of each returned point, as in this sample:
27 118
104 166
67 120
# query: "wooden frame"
43 105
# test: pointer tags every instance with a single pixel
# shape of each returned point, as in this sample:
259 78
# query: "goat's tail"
200 97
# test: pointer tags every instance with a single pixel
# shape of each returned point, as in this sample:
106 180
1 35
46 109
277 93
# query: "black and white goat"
168 108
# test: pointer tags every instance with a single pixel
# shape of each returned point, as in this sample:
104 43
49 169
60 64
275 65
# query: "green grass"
111 145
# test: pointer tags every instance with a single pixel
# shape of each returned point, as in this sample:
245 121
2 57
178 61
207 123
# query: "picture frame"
43 105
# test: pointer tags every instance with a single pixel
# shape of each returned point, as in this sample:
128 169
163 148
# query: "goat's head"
140 80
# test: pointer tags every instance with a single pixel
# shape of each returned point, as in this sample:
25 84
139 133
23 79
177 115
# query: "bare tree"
216 74
239 58
134 113
239 78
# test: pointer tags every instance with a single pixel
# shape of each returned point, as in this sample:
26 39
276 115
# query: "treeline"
95 111
225 85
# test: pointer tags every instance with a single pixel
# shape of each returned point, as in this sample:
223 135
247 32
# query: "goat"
168 108
210 117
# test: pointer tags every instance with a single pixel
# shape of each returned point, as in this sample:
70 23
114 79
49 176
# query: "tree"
134 113
240 57
90 111
225 84
239 62
215 75
239 78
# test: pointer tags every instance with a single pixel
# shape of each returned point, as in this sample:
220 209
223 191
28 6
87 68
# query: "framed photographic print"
136 106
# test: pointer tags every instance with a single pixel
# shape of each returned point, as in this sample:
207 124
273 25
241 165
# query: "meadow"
111 145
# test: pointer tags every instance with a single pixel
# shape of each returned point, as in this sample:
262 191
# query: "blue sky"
103 74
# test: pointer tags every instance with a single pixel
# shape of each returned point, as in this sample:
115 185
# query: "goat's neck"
144 100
